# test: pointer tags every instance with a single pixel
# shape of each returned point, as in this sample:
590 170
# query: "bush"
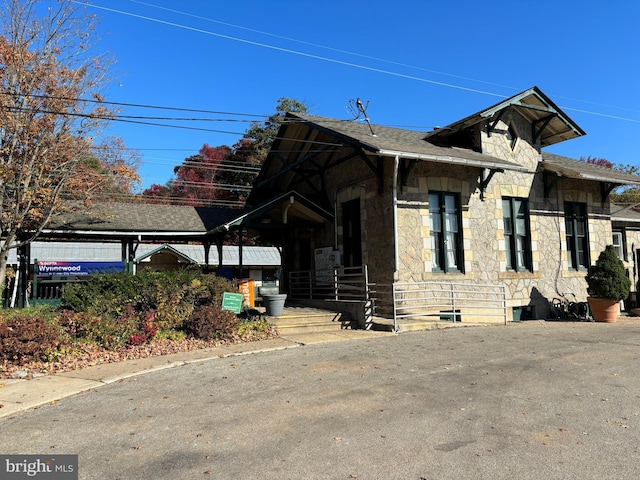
130 328
24 338
608 277
210 322
172 295
212 289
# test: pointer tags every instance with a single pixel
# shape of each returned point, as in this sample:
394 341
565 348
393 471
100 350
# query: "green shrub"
171 335
47 312
24 338
211 289
130 328
254 327
171 295
608 277
102 293
210 322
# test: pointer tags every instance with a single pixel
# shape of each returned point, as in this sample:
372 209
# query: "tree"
113 169
224 175
622 194
50 110
160 194
602 162
196 179
259 137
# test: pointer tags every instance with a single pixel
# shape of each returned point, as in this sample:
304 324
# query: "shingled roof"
405 143
571 168
549 122
625 213
143 218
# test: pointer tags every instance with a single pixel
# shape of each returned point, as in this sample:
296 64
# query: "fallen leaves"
86 355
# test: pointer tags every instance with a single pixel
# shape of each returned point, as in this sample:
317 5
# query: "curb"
17 396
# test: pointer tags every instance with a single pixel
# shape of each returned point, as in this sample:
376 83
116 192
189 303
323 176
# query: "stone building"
478 202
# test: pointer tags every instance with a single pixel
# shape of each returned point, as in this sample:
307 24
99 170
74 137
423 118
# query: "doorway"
352 233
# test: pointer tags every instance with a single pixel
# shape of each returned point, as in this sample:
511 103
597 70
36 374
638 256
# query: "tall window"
618 244
446 233
575 217
517 234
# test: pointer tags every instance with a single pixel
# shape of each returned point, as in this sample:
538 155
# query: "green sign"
232 301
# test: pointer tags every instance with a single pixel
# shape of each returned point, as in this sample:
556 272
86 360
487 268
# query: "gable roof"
132 219
307 146
182 258
278 210
570 168
549 122
408 144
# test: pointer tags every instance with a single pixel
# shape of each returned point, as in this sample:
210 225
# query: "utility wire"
336 61
288 50
136 105
369 57
325 47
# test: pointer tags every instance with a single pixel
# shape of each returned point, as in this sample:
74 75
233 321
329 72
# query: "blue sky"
419 64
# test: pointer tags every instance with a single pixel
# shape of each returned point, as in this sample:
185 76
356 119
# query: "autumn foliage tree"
50 111
224 175
196 180
208 178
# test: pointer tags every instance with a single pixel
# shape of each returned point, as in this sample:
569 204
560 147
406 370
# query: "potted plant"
607 284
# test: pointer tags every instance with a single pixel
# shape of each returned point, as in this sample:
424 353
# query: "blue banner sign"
77 269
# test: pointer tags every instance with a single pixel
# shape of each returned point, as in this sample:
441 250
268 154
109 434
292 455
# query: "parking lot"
553 400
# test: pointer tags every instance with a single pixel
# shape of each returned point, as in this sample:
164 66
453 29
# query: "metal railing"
340 283
446 301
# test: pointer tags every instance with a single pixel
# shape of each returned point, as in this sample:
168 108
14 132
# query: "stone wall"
483 226
481 216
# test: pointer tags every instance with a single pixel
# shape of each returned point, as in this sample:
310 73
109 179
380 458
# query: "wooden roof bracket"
549 181
606 188
491 125
380 175
377 169
485 178
406 165
536 132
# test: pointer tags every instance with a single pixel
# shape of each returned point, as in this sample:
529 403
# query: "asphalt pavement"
530 400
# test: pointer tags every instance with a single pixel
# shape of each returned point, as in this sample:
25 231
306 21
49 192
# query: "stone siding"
484 257
483 226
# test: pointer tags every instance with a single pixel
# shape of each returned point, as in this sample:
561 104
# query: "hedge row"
122 309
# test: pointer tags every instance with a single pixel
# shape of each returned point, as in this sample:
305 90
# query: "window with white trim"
618 244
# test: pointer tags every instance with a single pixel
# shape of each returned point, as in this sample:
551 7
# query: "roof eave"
608 179
121 233
454 160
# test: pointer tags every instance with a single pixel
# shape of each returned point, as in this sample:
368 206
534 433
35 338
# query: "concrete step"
304 319
382 324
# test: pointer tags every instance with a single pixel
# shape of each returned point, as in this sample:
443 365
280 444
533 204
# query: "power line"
136 105
115 119
325 47
341 62
288 50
